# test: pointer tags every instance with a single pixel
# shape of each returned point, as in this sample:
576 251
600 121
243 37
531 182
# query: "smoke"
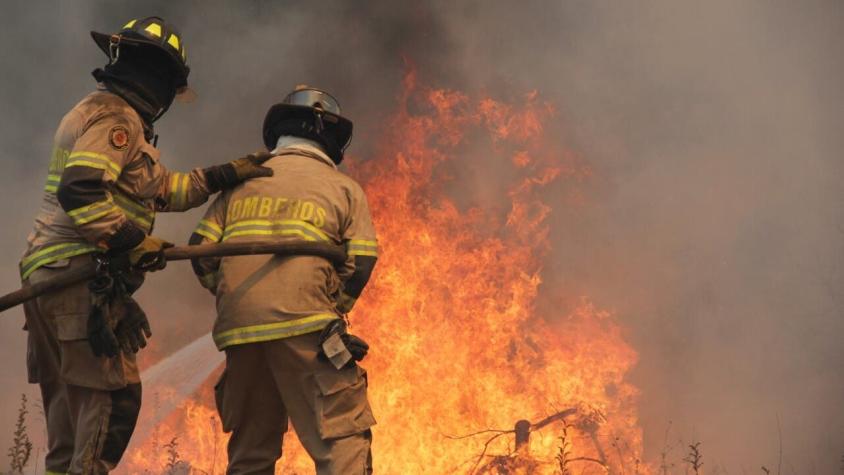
711 223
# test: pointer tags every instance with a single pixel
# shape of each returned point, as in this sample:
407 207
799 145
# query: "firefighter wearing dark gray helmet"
288 354
105 183
313 114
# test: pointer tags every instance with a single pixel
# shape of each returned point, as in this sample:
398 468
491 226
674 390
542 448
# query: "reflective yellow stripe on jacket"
179 184
209 230
54 253
136 212
283 227
93 160
273 331
360 247
52 184
92 212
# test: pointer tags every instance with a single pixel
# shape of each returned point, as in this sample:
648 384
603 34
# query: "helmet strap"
113 49
160 112
319 126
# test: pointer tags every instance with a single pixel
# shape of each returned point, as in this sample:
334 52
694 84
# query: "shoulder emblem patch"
118 137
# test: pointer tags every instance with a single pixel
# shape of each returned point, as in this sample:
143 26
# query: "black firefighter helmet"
150 32
313 114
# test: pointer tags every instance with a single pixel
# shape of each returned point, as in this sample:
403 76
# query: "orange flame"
458 345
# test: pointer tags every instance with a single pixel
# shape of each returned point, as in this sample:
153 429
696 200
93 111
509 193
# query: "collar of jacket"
149 129
299 143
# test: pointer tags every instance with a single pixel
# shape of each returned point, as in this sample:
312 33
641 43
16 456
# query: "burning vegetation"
466 376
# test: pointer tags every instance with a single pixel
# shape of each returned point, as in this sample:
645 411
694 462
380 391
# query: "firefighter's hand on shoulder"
229 175
251 166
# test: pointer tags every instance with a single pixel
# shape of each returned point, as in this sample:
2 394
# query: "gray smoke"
712 225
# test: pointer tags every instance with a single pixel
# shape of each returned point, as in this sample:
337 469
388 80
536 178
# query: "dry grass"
21 448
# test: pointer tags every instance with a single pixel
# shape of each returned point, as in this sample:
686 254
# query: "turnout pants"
266 383
91 403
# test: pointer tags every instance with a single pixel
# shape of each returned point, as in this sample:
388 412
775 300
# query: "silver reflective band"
313 98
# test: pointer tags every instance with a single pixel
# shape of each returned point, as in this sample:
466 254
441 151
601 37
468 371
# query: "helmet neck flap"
141 78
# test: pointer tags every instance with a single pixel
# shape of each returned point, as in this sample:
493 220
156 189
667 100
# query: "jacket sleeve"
210 230
181 191
361 248
98 156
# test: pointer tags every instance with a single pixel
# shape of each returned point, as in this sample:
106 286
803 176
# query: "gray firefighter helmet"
313 114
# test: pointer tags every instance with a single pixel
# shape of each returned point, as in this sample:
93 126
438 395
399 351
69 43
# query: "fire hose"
333 253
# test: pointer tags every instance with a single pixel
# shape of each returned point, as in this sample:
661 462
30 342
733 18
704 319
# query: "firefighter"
280 320
105 183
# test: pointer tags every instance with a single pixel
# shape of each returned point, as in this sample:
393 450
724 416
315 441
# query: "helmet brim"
186 95
337 125
103 40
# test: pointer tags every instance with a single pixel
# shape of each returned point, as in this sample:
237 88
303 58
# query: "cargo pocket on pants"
220 400
342 407
79 366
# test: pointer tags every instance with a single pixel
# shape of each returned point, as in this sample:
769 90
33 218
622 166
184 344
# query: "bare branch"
473 434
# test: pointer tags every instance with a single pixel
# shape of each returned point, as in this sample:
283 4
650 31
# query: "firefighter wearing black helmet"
105 183
288 354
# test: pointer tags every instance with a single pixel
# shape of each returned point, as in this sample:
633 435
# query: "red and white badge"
118 137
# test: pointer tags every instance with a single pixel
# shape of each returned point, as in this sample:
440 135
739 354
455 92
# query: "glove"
224 177
250 166
133 329
148 256
100 336
355 348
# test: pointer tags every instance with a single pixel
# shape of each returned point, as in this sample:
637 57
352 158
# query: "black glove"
356 347
132 329
100 336
229 175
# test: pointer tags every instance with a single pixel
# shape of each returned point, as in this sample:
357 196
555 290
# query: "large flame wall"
458 345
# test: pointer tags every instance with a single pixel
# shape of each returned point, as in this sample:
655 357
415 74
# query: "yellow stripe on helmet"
154 29
173 41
